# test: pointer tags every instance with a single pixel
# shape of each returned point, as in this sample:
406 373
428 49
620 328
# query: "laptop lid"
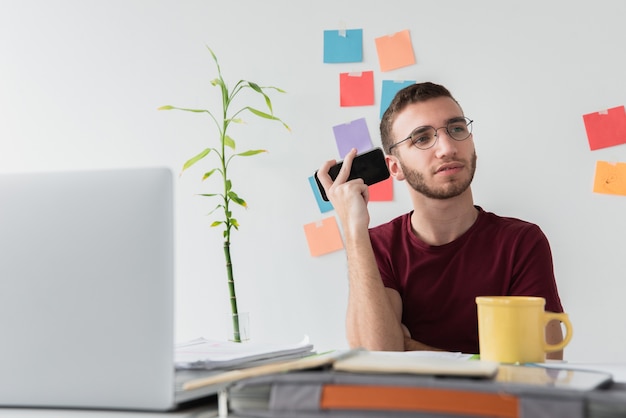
86 289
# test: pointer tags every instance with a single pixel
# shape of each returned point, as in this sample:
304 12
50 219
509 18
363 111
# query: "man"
413 281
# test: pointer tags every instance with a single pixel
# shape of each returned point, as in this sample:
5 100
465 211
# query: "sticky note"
610 178
323 237
324 206
389 90
354 134
606 128
395 51
382 191
356 89
343 45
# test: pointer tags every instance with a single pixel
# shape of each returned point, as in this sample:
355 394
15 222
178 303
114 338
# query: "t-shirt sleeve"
533 271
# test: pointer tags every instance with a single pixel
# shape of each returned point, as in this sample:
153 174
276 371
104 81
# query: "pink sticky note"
395 51
323 237
356 89
606 128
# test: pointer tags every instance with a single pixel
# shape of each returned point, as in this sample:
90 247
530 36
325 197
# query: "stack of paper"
207 354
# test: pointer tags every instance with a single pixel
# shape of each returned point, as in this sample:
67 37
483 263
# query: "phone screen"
370 166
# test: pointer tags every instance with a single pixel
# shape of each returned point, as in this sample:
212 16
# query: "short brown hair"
419 92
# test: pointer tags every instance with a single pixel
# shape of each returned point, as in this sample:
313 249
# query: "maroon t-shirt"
439 284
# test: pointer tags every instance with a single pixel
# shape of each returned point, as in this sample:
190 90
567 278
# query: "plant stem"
231 290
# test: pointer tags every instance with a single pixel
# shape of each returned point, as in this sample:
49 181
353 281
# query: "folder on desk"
514 391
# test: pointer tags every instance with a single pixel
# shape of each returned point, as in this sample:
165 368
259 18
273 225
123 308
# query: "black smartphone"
369 165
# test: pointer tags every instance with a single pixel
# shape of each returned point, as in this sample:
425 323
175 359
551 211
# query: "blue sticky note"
343 45
321 203
352 135
390 88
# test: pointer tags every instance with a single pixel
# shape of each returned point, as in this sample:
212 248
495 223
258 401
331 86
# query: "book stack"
385 384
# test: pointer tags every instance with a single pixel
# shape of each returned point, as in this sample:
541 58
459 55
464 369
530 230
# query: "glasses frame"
469 123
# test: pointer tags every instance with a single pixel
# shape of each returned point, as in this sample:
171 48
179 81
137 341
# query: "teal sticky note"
321 203
390 88
343 46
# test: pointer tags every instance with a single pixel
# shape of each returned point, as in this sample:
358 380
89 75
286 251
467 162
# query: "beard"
447 191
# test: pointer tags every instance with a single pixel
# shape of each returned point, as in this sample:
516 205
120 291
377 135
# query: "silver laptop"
87 290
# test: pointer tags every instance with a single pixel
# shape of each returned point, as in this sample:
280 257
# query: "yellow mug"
511 329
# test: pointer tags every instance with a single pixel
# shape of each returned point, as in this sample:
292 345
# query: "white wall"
80 82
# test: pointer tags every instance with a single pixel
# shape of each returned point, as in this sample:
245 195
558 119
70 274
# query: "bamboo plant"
223 154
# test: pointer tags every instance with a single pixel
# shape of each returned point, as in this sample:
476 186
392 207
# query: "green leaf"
168 107
208 194
215 208
235 223
251 152
274 88
228 184
259 90
233 196
267 116
208 174
216 223
229 142
261 114
195 159
217 64
255 87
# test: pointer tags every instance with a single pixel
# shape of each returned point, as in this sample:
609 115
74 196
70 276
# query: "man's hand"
349 198
412 345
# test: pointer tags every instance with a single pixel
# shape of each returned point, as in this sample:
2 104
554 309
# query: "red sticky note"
606 128
382 191
323 237
356 89
395 51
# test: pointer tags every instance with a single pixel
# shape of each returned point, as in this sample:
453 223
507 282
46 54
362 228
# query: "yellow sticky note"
610 178
323 237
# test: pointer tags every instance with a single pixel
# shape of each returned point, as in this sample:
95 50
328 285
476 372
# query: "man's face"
447 169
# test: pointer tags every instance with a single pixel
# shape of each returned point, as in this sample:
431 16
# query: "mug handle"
564 318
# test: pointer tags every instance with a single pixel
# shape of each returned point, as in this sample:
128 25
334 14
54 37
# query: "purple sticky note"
352 135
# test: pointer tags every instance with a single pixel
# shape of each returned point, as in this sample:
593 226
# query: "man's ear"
394 167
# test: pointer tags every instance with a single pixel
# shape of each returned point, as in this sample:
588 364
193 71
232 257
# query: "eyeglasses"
425 137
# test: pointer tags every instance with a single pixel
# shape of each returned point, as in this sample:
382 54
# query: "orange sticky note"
395 51
610 178
356 89
606 128
323 237
382 191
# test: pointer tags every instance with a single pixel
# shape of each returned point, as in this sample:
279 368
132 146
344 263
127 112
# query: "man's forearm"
371 321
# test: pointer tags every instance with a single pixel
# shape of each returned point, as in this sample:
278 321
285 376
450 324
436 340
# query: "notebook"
417 362
87 291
